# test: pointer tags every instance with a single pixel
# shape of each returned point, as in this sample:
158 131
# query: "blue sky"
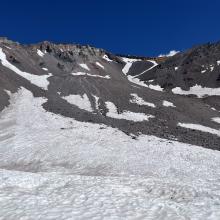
138 27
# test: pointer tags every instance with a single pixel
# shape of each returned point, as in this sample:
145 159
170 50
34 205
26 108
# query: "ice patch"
200 128
38 80
127 115
138 100
84 66
40 53
81 101
100 65
197 90
168 104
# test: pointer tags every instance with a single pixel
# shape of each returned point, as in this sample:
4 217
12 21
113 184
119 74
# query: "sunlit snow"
84 66
100 65
91 171
200 128
168 104
198 90
81 101
127 115
38 80
40 53
91 75
85 172
140 101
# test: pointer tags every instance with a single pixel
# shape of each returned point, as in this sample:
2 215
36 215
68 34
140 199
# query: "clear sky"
138 27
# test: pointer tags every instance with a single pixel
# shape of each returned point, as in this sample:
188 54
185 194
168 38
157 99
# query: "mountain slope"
66 74
82 137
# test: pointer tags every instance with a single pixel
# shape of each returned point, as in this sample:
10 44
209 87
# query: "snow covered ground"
65 169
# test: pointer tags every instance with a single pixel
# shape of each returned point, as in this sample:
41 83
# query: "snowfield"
65 169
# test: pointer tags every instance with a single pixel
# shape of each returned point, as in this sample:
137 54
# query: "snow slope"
40 81
78 170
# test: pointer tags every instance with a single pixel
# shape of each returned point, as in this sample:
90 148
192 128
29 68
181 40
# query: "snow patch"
81 101
91 75
105 57
216 119
100 65
218 62
170 54
127 115
141 83
138 100
168 104
40 53
45 69
84 66
198 90
38 80
200 128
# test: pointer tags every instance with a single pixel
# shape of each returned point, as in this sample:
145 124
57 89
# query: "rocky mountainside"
173 98
86 134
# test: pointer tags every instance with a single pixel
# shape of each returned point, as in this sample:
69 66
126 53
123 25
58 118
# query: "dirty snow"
84 66
81 101
127 115
40 53
197 90
100 65
88 74
85 172
168 104
200 128
38 80
140 101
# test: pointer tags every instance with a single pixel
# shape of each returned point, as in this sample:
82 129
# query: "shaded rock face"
95 86
199 65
